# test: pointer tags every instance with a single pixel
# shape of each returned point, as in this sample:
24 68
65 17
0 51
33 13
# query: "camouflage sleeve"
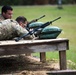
1 17
20 30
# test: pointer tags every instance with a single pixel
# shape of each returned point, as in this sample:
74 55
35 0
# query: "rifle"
33 21
36 29
36 19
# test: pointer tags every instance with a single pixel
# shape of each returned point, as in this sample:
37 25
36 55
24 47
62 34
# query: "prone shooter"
53 33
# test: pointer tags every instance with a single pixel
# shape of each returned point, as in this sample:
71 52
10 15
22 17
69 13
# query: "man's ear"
20 23
3 13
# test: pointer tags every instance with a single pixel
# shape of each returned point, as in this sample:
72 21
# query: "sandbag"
50 32
35 24
50 29
49 36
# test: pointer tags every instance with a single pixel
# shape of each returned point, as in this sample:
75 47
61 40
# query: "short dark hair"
5 8
21 19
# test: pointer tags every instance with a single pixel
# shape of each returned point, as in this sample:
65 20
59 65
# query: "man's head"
22 21
7 12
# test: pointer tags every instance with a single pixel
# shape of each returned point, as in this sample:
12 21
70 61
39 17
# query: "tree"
41 2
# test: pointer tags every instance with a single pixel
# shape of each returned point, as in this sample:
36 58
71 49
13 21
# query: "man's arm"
20 30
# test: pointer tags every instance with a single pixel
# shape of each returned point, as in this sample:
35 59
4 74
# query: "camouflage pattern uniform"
10 29
1 17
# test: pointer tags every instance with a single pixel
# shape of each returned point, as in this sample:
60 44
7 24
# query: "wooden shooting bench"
11 47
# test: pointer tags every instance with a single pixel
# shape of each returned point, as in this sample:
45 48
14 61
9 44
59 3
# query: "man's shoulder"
1 17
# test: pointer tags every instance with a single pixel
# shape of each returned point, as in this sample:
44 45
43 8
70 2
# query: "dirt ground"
26 65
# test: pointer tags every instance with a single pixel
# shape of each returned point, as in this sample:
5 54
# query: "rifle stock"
36 29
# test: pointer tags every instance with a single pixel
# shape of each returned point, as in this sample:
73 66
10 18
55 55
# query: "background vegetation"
34 2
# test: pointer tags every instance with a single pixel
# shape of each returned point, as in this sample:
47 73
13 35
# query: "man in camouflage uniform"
6 12
10 29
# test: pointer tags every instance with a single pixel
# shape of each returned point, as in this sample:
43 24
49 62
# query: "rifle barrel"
41 17
35 20
54 19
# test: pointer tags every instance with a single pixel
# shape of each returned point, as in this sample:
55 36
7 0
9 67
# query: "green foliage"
31 2
71 65
68 1
15 2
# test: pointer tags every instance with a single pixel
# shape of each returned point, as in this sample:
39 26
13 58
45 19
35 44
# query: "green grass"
67 23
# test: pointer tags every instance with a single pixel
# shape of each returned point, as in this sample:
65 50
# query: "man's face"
8 14
23 24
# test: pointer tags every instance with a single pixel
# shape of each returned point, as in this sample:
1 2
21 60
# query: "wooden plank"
12 42
31 46
43 57
62 72
62 58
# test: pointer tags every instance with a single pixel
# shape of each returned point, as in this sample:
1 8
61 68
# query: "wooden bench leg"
42 56
62 60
